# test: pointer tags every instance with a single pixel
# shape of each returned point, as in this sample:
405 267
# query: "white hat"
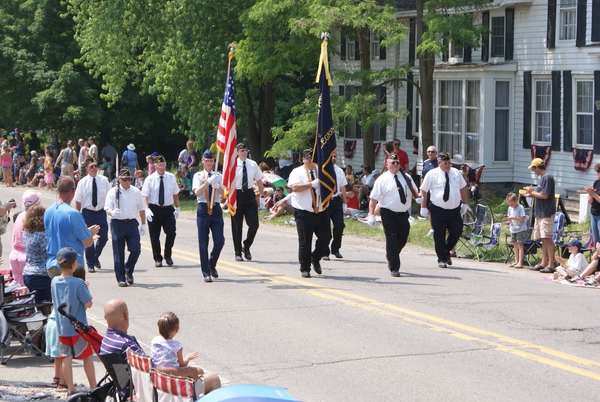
376 171
131 147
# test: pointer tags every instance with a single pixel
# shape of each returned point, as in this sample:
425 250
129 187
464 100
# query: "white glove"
142 230
115 213
419 200
315 183
371 220
424 212
214 180
463 209
149 215
344 207
176 212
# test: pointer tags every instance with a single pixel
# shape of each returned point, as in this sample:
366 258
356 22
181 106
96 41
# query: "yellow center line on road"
437 324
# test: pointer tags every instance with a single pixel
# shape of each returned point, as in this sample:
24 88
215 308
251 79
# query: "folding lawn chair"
171 388
483 248
140 367
465 245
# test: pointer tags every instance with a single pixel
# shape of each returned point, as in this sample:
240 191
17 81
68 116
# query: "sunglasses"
395 163
92 166
126 178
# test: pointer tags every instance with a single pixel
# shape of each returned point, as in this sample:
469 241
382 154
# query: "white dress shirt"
303 199
341 181
252 169
435 182
130 202
385 191
199 180
83 193
152 185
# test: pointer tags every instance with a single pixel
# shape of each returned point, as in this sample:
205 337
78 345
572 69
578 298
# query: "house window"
459 119
349 128
543 112
455 51
501 121
584 113
375 47
497 40
568 16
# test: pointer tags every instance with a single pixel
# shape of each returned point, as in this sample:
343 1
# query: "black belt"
244 191
124 220
163 207
396 213
91 210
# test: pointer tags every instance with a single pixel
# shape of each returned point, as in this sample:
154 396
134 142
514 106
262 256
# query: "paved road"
476 331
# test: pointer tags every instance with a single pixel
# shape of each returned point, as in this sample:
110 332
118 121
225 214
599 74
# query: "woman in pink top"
17 255
6 157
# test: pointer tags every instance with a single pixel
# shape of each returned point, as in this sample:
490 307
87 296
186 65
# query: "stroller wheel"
80 397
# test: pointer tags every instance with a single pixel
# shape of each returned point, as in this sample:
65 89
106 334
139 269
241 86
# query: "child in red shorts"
74 290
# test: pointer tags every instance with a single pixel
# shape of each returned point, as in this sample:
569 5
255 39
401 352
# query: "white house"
534 87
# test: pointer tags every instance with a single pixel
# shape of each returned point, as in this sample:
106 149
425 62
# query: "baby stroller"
114 386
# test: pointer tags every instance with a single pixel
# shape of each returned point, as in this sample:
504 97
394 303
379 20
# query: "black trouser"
335 210
92 253
162 218
396 229
442 220
125 233
308 223
246 207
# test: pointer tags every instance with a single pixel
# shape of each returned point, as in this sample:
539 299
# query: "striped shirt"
116 341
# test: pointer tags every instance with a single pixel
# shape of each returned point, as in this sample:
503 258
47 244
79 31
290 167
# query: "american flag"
227 139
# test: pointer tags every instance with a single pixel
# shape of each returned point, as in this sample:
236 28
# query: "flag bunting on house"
227 139
325 144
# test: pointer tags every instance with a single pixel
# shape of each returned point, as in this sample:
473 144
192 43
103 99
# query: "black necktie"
312 175
244 177
209 190
161 192
94 193
447 188
400 190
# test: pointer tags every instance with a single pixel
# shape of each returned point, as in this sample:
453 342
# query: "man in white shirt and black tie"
394 190
124 203
309 215
161 195
246 174
90 197
448 201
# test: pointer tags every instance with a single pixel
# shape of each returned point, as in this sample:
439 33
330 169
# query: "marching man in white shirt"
161 195
90 197
394 190
124 203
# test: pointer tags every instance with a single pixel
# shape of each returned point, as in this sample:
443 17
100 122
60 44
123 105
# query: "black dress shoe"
305 274
238 257
122 284
213 272
325 258
207 278
158 263
98 265
317 266
442 265
91 270
395 274
247 254
169 261
449 262
338 255
129 278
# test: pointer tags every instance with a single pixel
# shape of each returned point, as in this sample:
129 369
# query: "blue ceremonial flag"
325 146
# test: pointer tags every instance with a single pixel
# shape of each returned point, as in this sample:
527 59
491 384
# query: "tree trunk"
267 117
366 87
426 67
251 129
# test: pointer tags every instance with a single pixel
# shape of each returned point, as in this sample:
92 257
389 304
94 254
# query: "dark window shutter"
356 50
509 46
342 129
485 40
527 82
596 113
551 33
556 111
343 48
383 101
382 53
410 106
596 17
412 42
567 111
446 54
467 55
581 23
